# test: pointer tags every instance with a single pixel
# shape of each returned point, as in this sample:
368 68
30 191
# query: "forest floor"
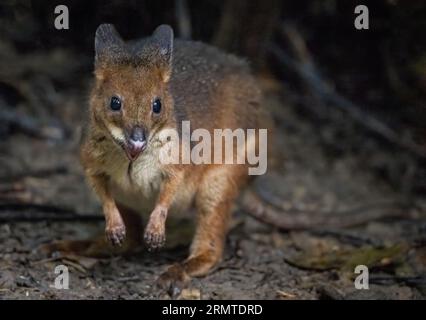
260 262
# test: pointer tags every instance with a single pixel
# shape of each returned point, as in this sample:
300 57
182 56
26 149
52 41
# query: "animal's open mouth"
133 149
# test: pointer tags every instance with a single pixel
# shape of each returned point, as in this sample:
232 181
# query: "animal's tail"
294 219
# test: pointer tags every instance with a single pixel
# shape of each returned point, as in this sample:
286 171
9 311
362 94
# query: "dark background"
381 70
350 110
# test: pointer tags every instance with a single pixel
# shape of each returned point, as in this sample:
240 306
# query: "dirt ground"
261 262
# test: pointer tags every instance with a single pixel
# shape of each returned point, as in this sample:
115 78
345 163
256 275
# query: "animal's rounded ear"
108 43
163 38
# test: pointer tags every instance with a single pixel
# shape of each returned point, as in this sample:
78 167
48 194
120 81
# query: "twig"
308 72
128 279
20 212
411 281
349 238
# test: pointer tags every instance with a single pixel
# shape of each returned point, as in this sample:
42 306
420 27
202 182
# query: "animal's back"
213 89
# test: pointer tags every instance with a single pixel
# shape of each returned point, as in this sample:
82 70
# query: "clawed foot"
173 281
153 240
155 233
116 234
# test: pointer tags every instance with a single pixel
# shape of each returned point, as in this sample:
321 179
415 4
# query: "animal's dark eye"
156 106
115 103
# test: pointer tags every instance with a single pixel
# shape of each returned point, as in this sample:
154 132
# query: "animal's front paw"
173 281
116 234
155 233
154 237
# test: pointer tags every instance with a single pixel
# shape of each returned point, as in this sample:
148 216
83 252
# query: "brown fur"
195 82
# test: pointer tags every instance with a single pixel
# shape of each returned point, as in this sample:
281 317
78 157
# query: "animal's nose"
136 143
137 134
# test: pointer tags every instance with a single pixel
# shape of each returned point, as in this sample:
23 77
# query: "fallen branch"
307 70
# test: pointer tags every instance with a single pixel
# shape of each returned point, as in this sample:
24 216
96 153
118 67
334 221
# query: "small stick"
411 281
31 212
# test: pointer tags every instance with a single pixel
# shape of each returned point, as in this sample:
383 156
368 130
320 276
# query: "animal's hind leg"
214 200
100 246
